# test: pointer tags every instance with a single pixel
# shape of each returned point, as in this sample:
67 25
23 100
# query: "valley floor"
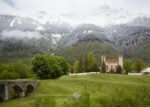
102 88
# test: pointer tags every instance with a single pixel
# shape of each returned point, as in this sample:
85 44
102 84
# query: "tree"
64 65
128 66
119 69
47 66
22 70
103 67
15 70
138 65
80 65
91 62
86 65
76 67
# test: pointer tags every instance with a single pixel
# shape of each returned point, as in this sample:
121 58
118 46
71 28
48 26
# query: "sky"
62 6
80 8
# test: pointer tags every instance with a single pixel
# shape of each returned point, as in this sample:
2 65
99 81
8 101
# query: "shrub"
9 75
22 70
15 70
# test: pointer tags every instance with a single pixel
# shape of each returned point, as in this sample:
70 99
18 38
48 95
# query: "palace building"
111 65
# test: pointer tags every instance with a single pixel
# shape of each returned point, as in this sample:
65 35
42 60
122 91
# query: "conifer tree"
118 69
103 67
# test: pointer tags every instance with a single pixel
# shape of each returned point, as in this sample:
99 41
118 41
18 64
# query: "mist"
20 35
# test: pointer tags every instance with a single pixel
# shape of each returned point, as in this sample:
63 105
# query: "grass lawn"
102 88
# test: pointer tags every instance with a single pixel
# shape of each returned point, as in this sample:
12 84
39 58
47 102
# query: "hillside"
124 90
82 48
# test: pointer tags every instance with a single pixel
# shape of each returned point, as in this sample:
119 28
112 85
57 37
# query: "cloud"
80 9
27 7
20 35
64 6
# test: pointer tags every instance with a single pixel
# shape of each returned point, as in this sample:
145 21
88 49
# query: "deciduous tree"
47 66
138 65
128 66
91 62
76 67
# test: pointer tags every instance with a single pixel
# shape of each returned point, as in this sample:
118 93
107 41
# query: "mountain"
28 30
23 36
133 41
125 34
140 21
84 32
82 48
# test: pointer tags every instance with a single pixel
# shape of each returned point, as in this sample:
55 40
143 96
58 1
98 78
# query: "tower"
120 60
103 58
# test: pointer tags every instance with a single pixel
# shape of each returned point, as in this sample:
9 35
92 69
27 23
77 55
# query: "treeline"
133 66
81 49
87 64
46 66
15 70
43 66
128 66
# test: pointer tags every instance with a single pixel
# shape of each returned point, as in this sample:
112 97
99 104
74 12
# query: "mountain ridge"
29 36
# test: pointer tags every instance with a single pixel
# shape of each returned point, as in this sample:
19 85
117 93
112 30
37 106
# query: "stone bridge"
20 89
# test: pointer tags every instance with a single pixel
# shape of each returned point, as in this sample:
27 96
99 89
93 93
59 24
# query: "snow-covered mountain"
140 21
46 33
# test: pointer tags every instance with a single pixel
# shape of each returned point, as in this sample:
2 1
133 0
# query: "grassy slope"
96 85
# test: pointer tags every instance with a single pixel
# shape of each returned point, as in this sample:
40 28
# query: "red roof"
111 61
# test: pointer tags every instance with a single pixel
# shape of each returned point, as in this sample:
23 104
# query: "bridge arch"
1 99
29 89
17 91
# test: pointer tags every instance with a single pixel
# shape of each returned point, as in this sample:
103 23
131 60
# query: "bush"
22 70
14 71
9 75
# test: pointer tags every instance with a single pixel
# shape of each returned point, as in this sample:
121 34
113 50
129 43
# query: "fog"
19 35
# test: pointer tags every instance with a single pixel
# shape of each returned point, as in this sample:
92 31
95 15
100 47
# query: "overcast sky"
63 6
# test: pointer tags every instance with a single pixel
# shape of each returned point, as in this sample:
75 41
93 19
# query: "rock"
75 95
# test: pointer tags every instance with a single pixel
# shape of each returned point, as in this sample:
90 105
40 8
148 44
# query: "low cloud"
20 35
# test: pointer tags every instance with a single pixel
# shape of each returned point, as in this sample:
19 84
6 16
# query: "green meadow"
100 90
